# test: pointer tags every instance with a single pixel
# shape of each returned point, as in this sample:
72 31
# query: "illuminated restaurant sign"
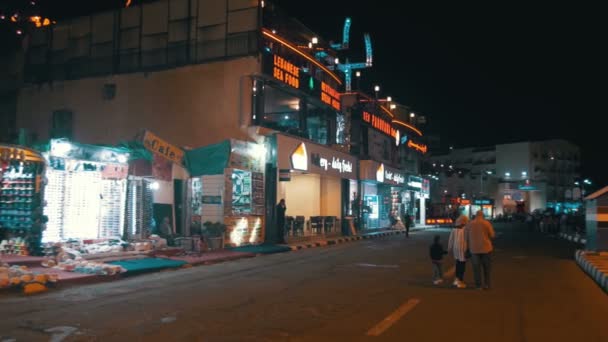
286 72
336 163
422 148
330 96
379 124
296 155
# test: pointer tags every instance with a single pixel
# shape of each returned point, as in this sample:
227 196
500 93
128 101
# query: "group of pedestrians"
469 240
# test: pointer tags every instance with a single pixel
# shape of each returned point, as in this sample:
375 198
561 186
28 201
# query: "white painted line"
379 266
391 319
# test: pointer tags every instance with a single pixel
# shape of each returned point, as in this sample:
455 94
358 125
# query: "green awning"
208 160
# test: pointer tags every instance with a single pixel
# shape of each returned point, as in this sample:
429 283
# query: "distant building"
515 177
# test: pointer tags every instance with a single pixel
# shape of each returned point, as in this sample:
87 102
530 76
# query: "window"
281 111
62 124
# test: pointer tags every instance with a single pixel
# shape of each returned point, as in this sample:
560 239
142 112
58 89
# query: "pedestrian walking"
280 220
479 234
407 221
457 245
437 252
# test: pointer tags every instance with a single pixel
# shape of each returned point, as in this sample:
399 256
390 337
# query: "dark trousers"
460 267
281 231
482 261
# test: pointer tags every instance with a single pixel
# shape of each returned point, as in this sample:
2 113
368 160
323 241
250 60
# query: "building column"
422 210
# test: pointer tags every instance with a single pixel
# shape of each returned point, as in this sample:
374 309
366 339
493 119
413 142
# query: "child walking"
437 252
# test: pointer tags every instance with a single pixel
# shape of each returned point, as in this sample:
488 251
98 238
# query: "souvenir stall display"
21 219
226 192
22 277
86 191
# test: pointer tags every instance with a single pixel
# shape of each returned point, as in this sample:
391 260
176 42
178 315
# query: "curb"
573 238
594 266
343 239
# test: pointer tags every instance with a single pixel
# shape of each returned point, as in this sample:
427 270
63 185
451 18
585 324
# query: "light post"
412 117
376 90
358 75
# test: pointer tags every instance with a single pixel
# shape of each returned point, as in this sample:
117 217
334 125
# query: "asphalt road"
372 290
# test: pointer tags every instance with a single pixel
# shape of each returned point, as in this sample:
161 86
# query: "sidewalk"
595 265
364 235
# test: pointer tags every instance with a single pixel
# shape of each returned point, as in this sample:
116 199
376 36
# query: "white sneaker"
455 283
438 281
461 285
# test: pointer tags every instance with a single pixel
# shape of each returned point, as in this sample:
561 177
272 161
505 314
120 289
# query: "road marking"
59 334
393 317
378 266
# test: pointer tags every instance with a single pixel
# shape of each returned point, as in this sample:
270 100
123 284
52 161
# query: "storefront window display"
86 191
383 187
21 188
314 181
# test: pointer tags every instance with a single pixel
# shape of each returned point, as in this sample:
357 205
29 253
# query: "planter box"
215 242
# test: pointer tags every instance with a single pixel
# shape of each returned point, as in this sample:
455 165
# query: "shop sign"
336 163
299 158
380 124
380 173
212 199
286 72
163 148
297 155
422 148
415 182
483 202
330 96
426 187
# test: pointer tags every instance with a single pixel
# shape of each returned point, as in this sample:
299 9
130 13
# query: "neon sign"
286 72
422 148
380 124
330 96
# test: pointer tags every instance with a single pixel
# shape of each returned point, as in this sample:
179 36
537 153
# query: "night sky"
481 73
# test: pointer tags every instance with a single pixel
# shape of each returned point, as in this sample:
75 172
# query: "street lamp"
412 116
377 90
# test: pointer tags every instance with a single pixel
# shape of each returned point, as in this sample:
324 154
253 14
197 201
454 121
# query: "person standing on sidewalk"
407 221
280 220
479 234
437 252
457 244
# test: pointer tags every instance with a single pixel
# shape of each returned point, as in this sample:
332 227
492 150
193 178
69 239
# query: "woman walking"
457 244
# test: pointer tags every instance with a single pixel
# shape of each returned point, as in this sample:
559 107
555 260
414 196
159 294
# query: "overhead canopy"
208 160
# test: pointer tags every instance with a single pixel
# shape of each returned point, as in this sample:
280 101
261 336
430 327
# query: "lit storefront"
21 189
486 205
227 186
382 191
414 200
317 184
86 191
298 95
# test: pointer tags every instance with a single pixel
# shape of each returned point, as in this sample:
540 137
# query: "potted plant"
213 232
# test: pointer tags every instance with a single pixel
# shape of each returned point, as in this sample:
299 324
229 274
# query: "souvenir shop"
86 191
21 189
318 184
382 193
226 186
